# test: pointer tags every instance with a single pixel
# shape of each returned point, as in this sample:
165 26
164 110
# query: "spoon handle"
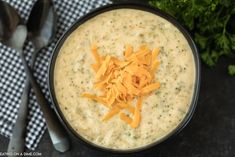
56 131
17 140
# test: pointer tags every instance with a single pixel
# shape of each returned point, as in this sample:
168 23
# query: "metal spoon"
41 28
15 38
9 23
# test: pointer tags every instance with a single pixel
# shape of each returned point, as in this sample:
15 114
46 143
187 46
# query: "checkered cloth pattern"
12 74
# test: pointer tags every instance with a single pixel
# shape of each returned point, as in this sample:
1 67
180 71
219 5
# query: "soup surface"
162 111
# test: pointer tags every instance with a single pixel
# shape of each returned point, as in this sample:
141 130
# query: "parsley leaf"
231 69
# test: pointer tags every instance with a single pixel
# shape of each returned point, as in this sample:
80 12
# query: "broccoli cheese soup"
162 109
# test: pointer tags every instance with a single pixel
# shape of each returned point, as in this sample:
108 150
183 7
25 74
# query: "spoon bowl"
42 23
9 20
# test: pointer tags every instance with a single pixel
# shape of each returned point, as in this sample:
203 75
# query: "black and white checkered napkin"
12 75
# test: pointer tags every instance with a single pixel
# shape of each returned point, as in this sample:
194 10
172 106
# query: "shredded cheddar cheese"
123 81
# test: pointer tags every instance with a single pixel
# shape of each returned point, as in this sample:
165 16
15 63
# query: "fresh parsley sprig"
211 22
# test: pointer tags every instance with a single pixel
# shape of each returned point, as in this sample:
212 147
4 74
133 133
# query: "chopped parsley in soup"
124 79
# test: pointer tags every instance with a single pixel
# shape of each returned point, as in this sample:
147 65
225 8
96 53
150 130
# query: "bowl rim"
101 10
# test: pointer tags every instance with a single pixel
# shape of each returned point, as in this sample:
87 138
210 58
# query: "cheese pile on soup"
162 110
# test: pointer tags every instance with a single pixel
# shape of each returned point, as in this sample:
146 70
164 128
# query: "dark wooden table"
210 133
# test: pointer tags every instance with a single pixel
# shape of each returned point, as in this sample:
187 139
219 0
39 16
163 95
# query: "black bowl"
83 19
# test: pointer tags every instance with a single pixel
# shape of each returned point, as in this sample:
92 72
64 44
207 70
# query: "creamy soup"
162 111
